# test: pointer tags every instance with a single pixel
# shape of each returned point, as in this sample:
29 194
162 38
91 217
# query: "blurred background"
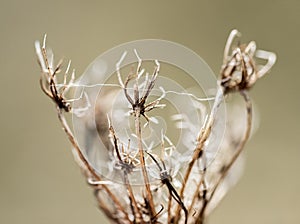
39 181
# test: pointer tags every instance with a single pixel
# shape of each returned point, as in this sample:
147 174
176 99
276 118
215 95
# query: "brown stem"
91 170
238 150
203 136
201 216
132 198
195 197
142 160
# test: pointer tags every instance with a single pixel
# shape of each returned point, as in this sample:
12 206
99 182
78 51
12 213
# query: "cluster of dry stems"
197 193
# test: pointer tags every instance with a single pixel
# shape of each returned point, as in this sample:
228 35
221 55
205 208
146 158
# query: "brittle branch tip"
44 41
137 55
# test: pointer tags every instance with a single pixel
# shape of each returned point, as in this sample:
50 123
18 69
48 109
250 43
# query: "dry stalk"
126 166
139 108
238 74
239 149
50 88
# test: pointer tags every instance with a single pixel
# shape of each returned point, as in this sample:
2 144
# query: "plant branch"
86 164
239 149
142 161
203 136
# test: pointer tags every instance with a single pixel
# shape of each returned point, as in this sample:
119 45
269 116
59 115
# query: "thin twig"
136 211
196 194
91 170
127 167
142 160
203 136
239 149
139 109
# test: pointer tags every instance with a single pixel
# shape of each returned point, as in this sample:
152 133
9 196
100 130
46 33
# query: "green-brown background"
40 183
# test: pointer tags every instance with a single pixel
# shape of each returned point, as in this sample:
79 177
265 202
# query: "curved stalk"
203 136
236 155
91 170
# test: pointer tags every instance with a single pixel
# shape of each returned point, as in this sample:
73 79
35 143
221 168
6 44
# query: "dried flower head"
48 79
239 70
156 182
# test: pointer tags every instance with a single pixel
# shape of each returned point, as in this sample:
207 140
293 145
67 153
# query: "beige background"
40 183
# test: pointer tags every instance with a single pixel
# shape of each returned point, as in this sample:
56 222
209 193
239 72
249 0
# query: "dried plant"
171 199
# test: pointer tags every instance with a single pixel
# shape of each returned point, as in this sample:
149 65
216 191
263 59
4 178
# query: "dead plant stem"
203 136
239 149
132 198
67 130
142 160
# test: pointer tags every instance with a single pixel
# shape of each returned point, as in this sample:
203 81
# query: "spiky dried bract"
173 190
239 70
48 79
